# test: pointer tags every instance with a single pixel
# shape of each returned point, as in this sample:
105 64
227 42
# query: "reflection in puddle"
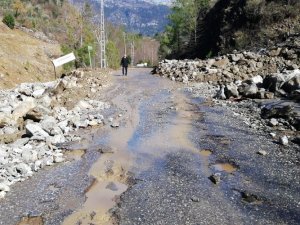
226 167
205 153
31 221
101 197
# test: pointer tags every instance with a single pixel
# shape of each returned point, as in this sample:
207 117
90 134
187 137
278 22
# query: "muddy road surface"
164 157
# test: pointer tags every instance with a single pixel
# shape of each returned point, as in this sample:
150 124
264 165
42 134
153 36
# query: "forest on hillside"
75 28
204 28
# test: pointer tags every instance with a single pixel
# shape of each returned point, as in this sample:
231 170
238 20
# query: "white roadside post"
63 60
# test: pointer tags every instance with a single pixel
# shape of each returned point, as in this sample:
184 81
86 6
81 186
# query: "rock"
38 93
231 90
215 178
23 169
83 105
58 159
34 129
273 122
221 63
221 94
4 187
274 111
273 82
25 89
6 109
115 124
36 114
248 90
296 140
23 108
48 124
2 194
262 152
57 139
257 80
29 155
269 95
185 79
292 84
284 140
273 135
275 52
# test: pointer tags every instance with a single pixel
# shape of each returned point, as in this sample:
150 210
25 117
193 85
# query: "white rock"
284 140
2 194
84 105
4 187
262 152
257 79
34 129
23 108
38 93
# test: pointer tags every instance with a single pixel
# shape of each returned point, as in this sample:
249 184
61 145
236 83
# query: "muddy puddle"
225 167
100 197
205 153
31 221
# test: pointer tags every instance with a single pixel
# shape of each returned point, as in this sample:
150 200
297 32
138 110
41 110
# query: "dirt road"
152 163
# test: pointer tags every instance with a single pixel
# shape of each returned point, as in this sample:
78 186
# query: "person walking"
124 64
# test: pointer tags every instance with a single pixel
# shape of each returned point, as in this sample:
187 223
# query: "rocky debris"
33 123
284 140
215 178
262 152
249 81
229 68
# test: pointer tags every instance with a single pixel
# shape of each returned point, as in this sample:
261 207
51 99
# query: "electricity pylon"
102 37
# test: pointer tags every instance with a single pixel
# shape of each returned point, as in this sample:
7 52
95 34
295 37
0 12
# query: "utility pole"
132 53
102 37
125 48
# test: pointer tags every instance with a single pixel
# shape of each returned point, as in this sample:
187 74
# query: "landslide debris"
37 118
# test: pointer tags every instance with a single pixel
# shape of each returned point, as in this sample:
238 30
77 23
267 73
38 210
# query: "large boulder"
248 90
23 108
273 82
231 90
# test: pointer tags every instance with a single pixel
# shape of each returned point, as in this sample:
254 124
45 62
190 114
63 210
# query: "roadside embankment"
36 117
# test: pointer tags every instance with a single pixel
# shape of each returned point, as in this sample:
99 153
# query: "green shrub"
9 20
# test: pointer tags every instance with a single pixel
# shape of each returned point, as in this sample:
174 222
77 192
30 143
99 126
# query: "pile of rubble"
32 123
229 68
255 84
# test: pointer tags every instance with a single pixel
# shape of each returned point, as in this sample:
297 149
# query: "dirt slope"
24 58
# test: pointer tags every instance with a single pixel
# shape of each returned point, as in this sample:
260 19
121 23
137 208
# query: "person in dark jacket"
124 64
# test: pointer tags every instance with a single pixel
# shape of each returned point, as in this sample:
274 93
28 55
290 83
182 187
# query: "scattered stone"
115 124
215 178
262 152
284 140
273 122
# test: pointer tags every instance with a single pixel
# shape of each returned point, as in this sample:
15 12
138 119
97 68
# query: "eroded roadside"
179 159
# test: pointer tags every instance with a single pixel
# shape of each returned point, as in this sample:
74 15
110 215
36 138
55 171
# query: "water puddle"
225 167
101 196
205 153
74 154
31 221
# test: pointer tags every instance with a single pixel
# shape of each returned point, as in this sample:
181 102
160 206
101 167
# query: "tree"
18 7
113 57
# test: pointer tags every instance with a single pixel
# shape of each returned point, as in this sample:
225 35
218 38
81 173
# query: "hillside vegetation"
225 25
